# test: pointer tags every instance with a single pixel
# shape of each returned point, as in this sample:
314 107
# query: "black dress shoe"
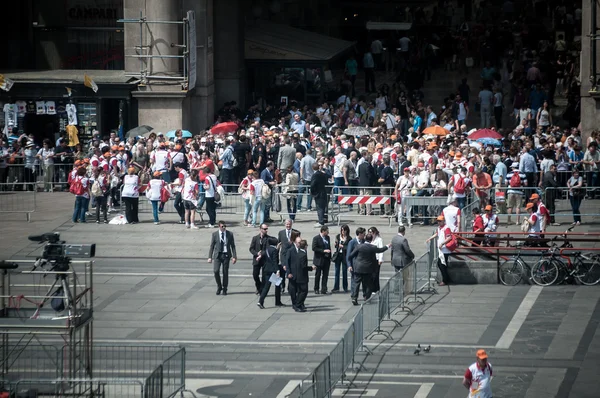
302 309
262 307
335 291
280 305
354 301
257 292
316 291
323 291
219 291
224 292
297 309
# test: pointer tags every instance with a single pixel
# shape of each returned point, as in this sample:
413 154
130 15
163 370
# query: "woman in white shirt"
101 180
46 155
377 241
258 206
189 194
210 187
244 190
153 193
290 191
544 117
403 187
131 195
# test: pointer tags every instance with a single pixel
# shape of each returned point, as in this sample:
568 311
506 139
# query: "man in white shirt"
452 215
485 103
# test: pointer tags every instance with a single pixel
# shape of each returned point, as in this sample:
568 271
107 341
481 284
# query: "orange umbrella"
435 130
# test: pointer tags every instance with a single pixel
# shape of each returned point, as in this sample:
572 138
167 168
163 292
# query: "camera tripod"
60 284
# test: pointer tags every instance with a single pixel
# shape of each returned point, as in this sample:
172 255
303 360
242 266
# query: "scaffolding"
187 74
38 339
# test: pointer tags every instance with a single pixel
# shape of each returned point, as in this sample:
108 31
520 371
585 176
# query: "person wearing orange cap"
532 224
478 377
444 236
490 223
542 211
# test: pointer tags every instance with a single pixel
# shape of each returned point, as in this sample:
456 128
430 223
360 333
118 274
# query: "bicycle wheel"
512 271
544 272
588 272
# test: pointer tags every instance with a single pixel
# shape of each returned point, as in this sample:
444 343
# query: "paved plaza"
153 285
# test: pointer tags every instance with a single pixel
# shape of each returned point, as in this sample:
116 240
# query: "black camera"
60 253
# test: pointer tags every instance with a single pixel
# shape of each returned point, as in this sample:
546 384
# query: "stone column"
199 108
229 53
590 101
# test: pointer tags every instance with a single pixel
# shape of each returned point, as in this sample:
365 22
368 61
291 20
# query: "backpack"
515 180
460 185
76 187
265 191
97 189
453 243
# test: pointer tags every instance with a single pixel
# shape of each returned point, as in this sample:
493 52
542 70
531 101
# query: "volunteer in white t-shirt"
451 214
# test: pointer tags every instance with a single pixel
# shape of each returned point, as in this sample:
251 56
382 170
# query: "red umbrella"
485 133
224 128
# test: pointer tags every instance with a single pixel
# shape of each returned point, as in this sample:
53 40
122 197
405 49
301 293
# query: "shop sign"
94 12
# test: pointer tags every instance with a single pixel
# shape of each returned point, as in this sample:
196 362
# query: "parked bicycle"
555 267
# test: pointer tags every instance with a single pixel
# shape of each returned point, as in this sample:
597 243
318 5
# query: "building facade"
590 67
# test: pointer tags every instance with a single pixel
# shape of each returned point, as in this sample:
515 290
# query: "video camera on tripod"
59 253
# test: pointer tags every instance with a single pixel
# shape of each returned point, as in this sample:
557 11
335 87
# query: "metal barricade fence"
173 374
357 201
336 362
322 379
153 385
24 361
59 388
371 315
429 207
466 214
135 361
411 278
17 201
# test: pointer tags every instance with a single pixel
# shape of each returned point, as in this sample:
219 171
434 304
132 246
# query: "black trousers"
322 275
131 209
211 210
256 276
179 206
444 269
322 210
375 281
221 260
266 286
298 292
366 281
101 202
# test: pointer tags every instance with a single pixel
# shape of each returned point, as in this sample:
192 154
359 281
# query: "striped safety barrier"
364 200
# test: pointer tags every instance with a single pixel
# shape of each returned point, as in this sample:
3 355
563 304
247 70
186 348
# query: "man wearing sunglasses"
221 250
258 245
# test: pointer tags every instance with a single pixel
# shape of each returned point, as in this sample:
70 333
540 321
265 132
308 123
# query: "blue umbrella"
184 134
489 141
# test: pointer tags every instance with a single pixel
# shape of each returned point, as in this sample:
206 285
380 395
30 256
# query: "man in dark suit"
297 264
321 248
222 248
270 267
401 253
549 186
364 265
258 246
284 237
366 179
318 190
360 238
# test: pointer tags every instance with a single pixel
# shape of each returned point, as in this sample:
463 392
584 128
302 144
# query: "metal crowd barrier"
433 205
367 323
41 177
17 201
142 371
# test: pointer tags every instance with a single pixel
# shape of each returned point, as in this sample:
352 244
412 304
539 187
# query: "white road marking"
519 318
424 390
289 387
195 384
273 343
171 274
354 392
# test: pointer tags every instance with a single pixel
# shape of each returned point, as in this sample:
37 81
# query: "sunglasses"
264 229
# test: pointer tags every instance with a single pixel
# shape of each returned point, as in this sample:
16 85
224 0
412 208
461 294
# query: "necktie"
222 241
288 234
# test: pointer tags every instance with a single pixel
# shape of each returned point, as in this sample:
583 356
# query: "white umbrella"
356 131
